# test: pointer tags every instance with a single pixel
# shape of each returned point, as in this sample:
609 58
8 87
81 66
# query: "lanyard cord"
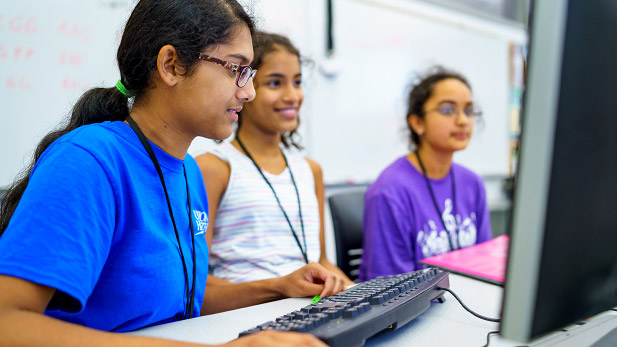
430 189
190 295
293 181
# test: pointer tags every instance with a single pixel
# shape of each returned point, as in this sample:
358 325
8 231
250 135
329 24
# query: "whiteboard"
50 53
352 123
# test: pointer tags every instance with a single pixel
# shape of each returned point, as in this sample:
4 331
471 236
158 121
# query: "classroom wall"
353 119
353 116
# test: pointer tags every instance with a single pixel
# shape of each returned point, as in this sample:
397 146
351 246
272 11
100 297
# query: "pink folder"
485 261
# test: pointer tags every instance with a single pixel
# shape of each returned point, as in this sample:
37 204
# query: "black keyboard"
353 315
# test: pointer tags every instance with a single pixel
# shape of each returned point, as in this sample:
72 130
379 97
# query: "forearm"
225 296
26 328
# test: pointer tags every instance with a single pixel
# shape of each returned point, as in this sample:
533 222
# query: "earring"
420 132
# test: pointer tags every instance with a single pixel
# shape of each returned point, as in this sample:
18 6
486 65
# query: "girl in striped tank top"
266 200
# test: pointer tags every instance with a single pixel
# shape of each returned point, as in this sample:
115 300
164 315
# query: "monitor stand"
600 332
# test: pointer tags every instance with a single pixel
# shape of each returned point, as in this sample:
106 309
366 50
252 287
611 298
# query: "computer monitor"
562 263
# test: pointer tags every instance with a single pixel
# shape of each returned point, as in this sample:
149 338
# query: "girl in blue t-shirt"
105 230
424 204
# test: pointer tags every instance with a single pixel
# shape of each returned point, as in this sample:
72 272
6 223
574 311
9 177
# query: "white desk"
446 324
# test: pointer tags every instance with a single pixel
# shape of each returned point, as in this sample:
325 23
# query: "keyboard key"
377 300
350 313
300 315
250 331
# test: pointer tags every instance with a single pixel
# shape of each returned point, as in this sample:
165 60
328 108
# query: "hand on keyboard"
273 339
350 317
310 280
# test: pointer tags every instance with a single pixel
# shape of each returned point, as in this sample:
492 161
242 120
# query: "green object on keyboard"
316 298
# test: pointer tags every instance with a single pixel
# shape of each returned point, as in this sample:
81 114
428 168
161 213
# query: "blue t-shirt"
94 224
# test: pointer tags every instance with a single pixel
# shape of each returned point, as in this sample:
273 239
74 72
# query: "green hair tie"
122 88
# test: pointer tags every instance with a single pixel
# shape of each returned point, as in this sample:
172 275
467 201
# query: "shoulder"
315 167
300 163
223 150
398 171
217 158
96 132
105 131
213 167
469 181
101 141
466 174
398 179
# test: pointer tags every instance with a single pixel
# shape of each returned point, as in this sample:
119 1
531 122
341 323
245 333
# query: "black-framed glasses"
448 109
243 73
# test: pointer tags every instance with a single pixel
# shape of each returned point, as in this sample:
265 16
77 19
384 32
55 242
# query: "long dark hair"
263 44
191 26
423 90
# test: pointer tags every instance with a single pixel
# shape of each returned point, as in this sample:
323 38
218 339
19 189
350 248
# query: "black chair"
347 209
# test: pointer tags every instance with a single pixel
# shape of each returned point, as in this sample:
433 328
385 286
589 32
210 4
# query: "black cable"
488 337
467 308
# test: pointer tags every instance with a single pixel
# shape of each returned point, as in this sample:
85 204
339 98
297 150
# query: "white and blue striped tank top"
252 239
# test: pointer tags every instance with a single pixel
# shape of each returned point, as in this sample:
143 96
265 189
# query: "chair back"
347 209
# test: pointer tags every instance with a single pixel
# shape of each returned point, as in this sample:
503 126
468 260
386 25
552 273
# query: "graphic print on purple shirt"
402 226
433 238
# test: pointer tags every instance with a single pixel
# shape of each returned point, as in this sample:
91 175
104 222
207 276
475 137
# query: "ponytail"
95 106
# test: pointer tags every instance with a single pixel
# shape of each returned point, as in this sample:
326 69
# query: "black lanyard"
190 295
430 189
293 181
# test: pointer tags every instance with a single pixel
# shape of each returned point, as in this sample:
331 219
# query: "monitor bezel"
547 29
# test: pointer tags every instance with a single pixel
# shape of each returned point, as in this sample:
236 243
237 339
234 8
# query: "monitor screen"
562 265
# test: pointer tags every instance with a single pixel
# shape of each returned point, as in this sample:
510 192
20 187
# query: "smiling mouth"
287 112
234 113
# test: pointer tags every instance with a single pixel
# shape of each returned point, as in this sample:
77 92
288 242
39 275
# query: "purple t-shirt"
402 226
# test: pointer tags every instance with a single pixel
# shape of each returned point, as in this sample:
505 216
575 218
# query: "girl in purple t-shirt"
423 204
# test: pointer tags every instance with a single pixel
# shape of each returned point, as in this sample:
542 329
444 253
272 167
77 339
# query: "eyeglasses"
243 72
449 109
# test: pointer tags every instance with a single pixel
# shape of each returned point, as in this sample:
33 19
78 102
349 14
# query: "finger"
338 284
312 289
329 285
314 271
304 287
341 285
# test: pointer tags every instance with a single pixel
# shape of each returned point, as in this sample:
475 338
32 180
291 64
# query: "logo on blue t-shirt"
201 218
